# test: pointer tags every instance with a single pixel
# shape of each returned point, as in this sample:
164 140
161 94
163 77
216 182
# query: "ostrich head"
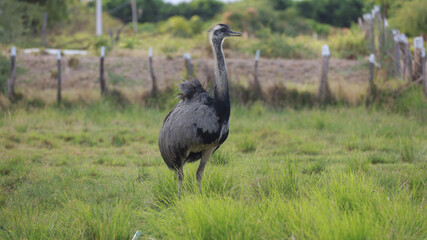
219 32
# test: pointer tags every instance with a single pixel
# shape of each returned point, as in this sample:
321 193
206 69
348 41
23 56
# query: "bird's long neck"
221 92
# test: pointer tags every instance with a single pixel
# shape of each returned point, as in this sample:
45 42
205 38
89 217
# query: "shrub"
348 44
181 27
409 17
98 42
274 46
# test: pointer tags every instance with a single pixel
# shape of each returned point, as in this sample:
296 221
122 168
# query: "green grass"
95 172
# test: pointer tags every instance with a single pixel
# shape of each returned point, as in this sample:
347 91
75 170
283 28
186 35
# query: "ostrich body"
198 124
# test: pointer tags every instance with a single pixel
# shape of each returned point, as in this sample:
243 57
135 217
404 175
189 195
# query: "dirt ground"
39 71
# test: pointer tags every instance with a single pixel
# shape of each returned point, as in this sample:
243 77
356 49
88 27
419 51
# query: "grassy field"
95 172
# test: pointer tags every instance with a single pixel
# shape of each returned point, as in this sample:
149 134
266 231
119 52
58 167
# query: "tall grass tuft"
356 163
102 221
407 150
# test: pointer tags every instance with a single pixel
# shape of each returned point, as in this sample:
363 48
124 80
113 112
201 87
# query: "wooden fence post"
44 30
359 21
397 67
423 55
371 72
407 57
12 78
118 31
257 84
58 96
372 88
153 77
417 70
110 32
188 66
376 15
101 72
324 93
369 31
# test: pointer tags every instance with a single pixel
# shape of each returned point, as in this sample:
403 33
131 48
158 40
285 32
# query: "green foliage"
412 102
274 46
340 13
130 43
409 17
157 10
250 16
17 19
349 44
4 73
181 27
25 17
98 42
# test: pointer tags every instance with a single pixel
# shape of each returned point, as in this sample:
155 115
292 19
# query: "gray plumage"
198 124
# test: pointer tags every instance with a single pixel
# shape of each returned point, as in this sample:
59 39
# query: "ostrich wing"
190 127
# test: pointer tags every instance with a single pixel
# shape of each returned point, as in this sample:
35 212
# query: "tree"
17 19
281 4
411 17
57 10
340 13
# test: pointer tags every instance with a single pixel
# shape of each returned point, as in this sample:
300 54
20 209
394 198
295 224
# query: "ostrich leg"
205 157
180 174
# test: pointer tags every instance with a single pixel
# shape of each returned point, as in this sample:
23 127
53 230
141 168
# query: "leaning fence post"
58 96
371 72
417 67
371 89
153 77
398 68
12 78
324 93
188 65
407 57
369 31
110 32
101 72
257 85
423 58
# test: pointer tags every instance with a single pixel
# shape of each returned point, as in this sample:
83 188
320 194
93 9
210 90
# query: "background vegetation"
21 20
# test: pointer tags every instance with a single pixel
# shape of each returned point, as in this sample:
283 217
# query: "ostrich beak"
234 34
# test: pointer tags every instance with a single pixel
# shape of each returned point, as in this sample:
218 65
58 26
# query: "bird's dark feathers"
190 89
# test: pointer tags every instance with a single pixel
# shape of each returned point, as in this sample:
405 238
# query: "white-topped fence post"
153 77
372 88
324 94
423 57
369 31
101 72
407 57
397 66
188 66
58 96
257 84
417 71
12 78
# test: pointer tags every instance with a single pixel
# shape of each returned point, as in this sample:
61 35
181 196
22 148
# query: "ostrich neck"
221 92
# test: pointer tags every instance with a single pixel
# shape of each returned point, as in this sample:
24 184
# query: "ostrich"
198 124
